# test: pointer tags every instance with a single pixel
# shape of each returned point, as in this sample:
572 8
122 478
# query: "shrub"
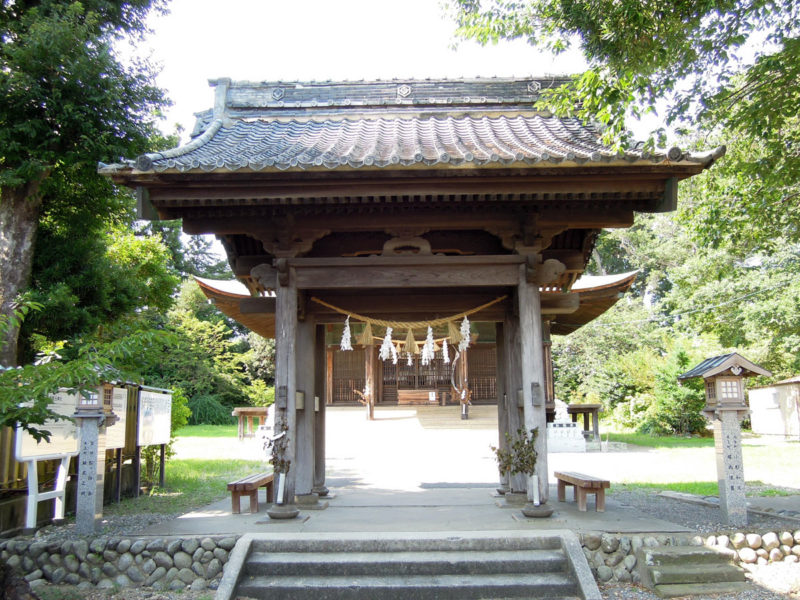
208 410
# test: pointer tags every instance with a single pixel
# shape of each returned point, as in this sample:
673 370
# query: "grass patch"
190 483
661 441
702 488
208 431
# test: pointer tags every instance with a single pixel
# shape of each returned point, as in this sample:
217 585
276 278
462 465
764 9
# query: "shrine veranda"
404 202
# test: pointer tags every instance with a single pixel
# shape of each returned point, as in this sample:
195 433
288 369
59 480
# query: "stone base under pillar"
283 511
310 502
321 491
513 500
537 512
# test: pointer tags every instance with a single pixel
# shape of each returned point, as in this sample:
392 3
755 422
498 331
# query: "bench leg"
600 500
253 501
580 494
235 507
562 491
270 491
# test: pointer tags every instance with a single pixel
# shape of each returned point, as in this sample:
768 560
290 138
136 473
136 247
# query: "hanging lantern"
387 348
365 339
345 343
445 352
463 343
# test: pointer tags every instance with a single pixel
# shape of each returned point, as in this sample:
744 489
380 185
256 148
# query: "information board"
115 435
155 417
63 433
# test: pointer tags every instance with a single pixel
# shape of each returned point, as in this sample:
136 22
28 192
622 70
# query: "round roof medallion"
403 90
534 87
277 93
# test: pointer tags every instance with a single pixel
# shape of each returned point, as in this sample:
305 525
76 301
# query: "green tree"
67 103
732 62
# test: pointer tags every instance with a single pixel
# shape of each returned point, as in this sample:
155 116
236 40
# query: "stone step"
438 562
685 555
708 573
417 587
406 544
701 589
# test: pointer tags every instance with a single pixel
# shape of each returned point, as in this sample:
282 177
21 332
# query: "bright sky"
270 40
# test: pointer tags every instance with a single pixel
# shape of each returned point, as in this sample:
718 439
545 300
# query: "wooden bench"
583 484
249 487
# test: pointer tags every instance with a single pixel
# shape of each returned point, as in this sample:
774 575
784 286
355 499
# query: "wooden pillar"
304 464
533 380
285 378
502 400
549 380
322 390
329 375
511 342
370 385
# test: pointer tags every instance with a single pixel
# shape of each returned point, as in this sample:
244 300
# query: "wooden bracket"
549 271
266 275
282 265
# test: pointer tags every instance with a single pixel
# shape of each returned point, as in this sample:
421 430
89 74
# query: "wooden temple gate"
408 201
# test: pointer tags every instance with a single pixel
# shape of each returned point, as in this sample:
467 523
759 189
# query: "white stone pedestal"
565 436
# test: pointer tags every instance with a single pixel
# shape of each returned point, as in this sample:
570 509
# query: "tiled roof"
492 122
504 140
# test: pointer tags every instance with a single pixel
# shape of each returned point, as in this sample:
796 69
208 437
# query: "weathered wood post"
321 394
725 408
532 274
513 375
502 401
305 496
283 281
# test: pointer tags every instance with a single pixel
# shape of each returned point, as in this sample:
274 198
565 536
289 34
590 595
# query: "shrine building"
449 211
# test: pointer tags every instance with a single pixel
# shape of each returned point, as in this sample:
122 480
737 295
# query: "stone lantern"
725 408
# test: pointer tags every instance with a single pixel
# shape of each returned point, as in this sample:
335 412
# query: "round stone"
775 555
124 546
591 541
747 555
221 555
753 540
537 512
629 562
125 561
609 543
190 546
787 550
213 569
157 545
786 538
761 553
155 576
138 547
790 559
162 559
723 541
198 585
612 560
187 576
182 560
738 540
208 544
604 573
770 541
228 543
176 585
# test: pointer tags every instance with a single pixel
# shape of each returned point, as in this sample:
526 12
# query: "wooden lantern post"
725 408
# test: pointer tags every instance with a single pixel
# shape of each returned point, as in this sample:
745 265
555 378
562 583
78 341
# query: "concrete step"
685 555
415 587
437 562
708 573
701 589
407 544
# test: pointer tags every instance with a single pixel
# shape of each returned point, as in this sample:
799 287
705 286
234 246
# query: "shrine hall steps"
369 566
690 570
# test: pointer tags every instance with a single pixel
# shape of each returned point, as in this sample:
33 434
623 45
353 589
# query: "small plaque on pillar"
281 398
299 400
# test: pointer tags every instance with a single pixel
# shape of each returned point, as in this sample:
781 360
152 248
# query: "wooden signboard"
115 435
155 416
63 433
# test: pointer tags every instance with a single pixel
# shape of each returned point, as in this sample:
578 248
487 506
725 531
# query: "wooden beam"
258 305
405 272
559 304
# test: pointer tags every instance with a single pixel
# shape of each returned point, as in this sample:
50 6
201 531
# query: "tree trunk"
19 219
